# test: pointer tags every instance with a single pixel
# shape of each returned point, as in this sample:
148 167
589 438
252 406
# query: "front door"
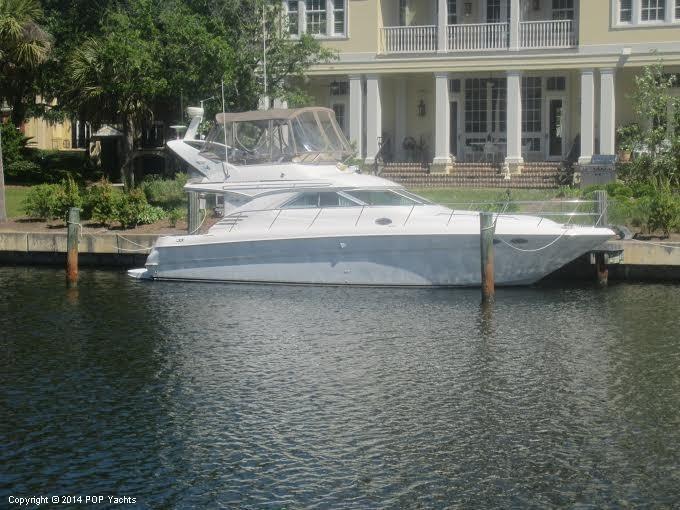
557 130
453 128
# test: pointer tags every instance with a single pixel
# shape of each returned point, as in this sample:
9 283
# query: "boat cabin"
300 135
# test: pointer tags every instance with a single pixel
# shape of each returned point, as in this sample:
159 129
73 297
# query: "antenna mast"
264 55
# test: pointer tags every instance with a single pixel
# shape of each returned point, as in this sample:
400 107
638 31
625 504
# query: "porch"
450 26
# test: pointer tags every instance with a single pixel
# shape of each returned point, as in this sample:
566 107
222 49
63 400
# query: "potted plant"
628 137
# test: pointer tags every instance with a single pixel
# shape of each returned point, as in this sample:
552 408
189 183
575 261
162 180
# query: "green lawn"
14 195
479 195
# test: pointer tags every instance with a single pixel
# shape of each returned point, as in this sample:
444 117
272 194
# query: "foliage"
165 193
52 201
100 202
24 45
13 143
22 171
663 211
628 136
38 201
659 144
132 209
176 215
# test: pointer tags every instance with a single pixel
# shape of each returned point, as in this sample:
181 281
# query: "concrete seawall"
640 260
48 248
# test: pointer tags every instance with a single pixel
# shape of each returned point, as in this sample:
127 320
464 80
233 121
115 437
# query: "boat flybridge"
295 213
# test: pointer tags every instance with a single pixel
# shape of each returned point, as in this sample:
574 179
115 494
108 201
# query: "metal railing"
415 39
573 212
478 37
547 34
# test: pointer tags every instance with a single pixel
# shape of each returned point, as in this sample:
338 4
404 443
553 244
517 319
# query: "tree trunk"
3 209
127 170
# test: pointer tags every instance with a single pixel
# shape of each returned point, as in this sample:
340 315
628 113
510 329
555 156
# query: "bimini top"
300 135
273 114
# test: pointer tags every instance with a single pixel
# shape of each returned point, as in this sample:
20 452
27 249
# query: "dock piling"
486 233
72 247
601 268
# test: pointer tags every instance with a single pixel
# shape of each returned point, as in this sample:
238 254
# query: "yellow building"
485 80
65 135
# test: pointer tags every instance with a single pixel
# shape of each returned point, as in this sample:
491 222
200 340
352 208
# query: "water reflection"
226 395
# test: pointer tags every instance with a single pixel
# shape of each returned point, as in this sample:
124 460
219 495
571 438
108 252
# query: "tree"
23 46
145 53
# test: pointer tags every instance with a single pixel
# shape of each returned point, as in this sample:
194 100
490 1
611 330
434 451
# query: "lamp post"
3 208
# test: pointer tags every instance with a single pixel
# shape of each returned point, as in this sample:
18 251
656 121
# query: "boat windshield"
306 135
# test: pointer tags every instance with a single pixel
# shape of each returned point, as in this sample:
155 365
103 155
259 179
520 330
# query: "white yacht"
294 213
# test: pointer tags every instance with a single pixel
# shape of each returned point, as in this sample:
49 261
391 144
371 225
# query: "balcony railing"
416 39
547 34
478 37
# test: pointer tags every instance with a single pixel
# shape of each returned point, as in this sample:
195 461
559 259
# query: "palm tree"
23 46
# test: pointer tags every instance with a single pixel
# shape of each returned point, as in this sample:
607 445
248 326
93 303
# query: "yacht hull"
369 260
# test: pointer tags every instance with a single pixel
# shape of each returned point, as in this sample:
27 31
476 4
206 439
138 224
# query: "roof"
273 114
106 131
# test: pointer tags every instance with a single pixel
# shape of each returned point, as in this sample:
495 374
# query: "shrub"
100 202
176 215
22 171
165 193
39 201
132 209
13 143
664 211
52 201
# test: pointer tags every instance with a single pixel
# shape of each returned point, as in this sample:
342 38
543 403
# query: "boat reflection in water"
294 213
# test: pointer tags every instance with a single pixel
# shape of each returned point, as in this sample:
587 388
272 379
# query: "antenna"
224 130
264 55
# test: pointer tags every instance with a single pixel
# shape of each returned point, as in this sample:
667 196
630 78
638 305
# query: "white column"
400 110
636 12
355 109
587 116
670 11
302 17
330 17
373 117
514 24
280 103
514 119
442 154
607 111
442 21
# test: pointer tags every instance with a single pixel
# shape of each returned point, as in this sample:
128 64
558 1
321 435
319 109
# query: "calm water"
200 395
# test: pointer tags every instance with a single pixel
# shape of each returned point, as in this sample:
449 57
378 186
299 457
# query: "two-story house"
486 80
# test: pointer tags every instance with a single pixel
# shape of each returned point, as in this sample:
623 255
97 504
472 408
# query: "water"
207 395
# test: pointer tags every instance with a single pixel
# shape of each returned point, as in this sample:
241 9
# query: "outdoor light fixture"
421 108
468 8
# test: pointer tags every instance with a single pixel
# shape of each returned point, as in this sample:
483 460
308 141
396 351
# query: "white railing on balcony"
478 37
415 39
547 34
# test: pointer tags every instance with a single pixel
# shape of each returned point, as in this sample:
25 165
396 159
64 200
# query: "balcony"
476 37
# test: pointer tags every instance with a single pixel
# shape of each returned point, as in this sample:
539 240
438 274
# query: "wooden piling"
486 249
72 247
601 268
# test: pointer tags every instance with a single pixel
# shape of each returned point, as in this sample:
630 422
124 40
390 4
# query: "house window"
677 9
316 16
339 88
454 86
556 83
625 11
452 17
531 104
499 101
338 17
475 105
563 9
653 10
493 11
403 6
292 17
